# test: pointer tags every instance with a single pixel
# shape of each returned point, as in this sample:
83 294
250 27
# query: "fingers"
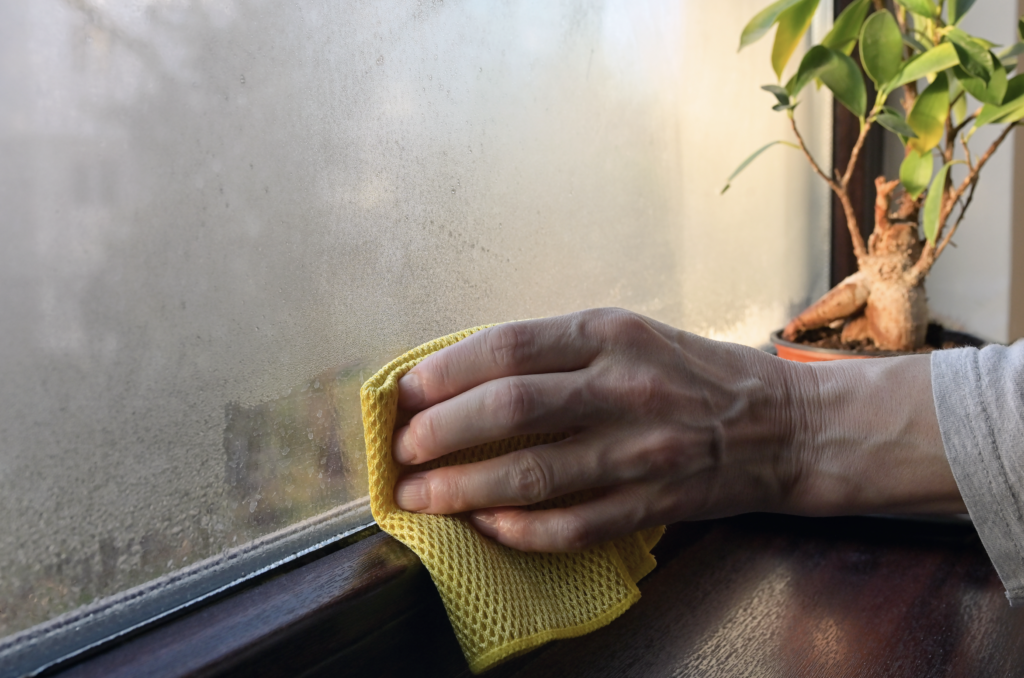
499 409
598 458
519 478
617 513
530 347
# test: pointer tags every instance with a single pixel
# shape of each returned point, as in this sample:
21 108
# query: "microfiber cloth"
501 602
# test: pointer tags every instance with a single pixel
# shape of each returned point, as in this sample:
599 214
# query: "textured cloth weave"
501 602
979 401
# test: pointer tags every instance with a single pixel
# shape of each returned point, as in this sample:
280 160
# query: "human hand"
663 424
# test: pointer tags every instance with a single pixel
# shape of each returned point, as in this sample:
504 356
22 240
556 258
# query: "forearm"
869 440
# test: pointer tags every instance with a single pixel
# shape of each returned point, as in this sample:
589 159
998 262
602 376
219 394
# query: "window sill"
896 598
344 611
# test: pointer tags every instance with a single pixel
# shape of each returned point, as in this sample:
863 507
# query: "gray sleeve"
979 400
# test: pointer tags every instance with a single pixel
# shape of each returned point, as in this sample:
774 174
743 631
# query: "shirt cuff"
978 401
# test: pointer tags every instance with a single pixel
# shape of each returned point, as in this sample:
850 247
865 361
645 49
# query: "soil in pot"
826 344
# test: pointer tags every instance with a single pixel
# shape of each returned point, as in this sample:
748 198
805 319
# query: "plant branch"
969 119
973 173
967 153
864 128
817 168
947 154
960 217
931 253
839 188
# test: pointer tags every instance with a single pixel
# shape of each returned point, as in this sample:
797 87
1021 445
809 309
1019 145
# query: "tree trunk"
881 302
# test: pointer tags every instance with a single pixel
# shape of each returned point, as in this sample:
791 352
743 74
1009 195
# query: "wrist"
868 440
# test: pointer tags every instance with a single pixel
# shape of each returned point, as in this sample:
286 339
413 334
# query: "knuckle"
647 391
424 433
628 326
599 323
448 491
508 344
519 531
516 402
574 534
530 478
441 373
663 457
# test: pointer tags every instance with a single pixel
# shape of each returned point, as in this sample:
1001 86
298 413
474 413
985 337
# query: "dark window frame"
845 130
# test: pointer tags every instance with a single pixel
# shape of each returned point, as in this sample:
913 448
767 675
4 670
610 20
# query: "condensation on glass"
219 217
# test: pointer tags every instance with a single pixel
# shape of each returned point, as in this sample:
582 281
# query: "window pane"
220 216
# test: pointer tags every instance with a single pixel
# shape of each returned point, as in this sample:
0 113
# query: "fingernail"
413 492
400 449
485 521
410 391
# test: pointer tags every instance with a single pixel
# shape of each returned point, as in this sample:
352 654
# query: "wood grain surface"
777 596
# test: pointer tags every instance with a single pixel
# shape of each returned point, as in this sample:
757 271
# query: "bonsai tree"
915 53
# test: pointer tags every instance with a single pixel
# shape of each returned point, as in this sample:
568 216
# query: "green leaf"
1013 114
1013 50
974 57
933 204
1020 28
1012 111
846 82
938 58
1014 88
925 8
763 21
780 93
1008 57
1013 101
959 110
914 43
992 92
881 47
839 73
956 10
816 58
793 23
846 27
928 116
751 158
894 122
916 172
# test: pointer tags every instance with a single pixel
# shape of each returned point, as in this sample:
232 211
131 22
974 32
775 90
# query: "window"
221 216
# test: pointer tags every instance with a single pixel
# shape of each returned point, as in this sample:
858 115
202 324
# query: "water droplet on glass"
310 435
243 79
319 413
317 384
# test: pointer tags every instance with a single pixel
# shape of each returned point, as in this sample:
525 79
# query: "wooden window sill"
749 595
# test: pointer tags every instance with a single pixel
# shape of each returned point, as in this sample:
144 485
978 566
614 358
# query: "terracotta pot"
802 353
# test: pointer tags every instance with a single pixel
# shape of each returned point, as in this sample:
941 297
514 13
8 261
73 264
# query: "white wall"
969 287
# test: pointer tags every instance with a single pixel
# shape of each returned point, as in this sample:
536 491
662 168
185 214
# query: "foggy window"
219 217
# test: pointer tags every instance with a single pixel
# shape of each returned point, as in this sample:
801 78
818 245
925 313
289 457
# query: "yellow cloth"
501 602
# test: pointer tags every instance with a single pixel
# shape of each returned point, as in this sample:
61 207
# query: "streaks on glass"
293 456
